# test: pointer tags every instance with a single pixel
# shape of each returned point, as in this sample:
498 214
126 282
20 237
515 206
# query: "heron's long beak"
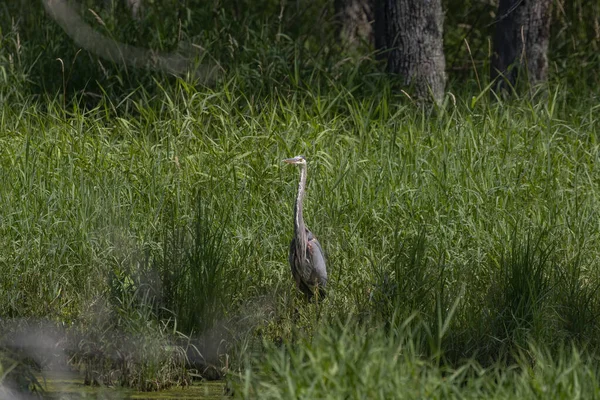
290 161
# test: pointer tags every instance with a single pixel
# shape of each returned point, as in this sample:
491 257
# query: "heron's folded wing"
318 260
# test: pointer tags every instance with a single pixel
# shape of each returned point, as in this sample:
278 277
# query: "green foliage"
182 214
124 344
349 361
18 374
148 213
197 281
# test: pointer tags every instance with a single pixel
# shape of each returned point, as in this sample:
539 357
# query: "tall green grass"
344 361
430 214
461 242
187 204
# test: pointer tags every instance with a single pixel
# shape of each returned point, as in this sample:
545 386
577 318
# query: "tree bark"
355 18
521 42
409 35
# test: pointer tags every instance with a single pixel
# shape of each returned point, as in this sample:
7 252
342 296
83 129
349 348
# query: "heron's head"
298 160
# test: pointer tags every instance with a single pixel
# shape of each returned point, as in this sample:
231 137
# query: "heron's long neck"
299 228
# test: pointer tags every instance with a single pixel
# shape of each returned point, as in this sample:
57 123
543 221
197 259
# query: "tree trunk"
409 34
354 19
521 40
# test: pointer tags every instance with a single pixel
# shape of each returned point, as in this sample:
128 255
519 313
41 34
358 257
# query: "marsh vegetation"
145 220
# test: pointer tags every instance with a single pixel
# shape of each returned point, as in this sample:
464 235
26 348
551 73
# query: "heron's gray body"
309 271
306 255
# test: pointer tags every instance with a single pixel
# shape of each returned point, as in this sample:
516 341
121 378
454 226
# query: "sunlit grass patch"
176 215
344 360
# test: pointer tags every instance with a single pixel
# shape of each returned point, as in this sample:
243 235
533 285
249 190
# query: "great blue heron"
306 256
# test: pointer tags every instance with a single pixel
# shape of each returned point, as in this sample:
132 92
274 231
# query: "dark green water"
69 387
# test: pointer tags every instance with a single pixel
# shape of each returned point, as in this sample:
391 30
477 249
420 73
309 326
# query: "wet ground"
63 386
